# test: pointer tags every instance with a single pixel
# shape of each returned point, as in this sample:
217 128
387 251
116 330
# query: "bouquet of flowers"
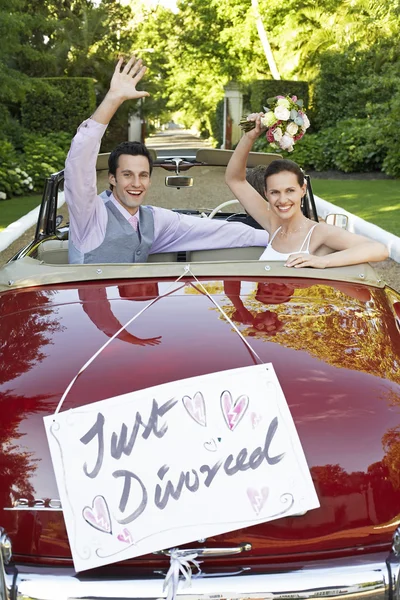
285 120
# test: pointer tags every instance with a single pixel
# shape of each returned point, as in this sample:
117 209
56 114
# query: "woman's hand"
307 260
253 134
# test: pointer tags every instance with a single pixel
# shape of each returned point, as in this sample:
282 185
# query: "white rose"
292 128
283 102
282 113
278 134
287 142
268 119
306 121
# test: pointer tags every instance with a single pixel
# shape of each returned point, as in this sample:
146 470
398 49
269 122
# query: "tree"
199 50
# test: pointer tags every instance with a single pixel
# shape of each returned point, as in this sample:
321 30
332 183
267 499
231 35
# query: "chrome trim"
210 551
394 573
4 555
365 577
5 547
396 542
35 508
48 504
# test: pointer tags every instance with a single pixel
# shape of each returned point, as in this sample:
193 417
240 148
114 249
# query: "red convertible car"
333 338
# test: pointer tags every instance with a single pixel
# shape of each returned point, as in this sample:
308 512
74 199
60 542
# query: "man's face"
131 181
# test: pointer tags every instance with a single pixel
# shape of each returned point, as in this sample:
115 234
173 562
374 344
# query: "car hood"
335 350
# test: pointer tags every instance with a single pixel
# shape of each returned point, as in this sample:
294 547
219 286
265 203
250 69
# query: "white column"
234 104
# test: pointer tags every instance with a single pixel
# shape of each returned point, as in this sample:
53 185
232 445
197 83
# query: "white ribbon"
181 563
221 310
96 354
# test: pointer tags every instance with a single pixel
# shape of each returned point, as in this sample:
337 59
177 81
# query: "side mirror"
337 220
178 181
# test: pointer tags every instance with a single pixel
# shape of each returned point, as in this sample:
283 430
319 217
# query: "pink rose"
298 136
294 98
270 135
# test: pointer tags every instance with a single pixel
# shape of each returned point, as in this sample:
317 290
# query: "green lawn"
376 201
11 210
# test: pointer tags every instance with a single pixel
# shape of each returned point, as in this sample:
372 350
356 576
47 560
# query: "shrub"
389 130
352 145
14 181
58 104
350 82
358 145
44 155
314 151
310 152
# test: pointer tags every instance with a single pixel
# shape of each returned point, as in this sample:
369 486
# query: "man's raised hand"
125 78
122 87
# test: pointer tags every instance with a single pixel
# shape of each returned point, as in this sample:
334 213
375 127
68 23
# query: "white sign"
176 463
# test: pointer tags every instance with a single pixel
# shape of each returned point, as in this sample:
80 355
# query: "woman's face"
284 194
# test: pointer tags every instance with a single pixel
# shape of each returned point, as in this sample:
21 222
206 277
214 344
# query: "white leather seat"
55 252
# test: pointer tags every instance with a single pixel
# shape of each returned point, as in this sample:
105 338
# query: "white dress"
271 254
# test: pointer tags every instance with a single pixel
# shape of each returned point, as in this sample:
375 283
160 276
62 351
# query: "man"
99 310
120 228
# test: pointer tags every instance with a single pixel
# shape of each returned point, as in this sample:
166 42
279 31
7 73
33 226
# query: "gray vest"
122 244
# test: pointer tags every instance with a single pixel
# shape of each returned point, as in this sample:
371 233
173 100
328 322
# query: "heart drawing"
233 411
211 445
257 498
196 408
125 536
98 515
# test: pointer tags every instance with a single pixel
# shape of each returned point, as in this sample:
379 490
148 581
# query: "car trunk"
334 348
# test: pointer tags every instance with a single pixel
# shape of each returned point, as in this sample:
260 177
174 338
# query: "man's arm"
88 215
174 232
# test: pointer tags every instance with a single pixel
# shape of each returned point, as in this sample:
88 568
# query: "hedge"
356 84
262 89
58 104
217 123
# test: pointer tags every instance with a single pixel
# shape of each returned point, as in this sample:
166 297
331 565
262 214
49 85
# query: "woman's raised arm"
235 177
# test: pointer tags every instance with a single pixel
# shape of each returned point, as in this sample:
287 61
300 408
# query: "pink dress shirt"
173 232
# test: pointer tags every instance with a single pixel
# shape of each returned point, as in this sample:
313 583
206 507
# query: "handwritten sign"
175 463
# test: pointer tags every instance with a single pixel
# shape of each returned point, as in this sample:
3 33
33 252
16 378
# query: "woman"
294 239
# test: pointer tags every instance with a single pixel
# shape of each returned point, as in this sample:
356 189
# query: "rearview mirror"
337 220
178 181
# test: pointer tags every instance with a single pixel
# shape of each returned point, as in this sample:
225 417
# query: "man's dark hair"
284 164
132 148
256 178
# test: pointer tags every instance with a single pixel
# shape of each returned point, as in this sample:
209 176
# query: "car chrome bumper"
375 577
